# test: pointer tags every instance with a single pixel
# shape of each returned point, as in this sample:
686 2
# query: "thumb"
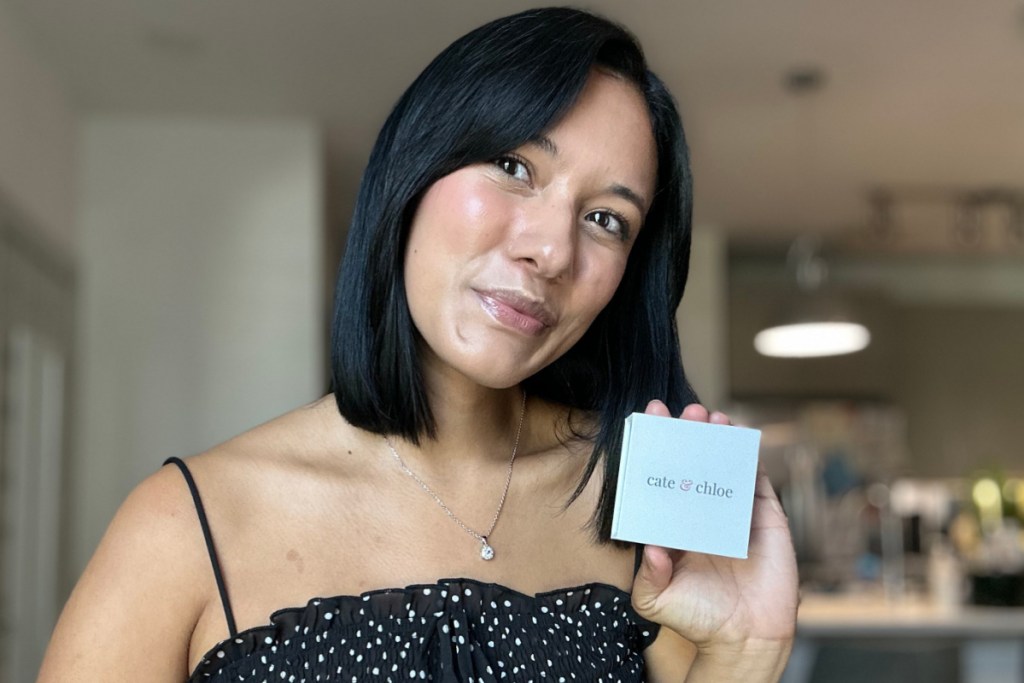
651 580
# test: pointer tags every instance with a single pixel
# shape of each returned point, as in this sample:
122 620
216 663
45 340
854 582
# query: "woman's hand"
741 614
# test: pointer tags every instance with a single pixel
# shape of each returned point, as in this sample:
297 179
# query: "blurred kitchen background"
175 182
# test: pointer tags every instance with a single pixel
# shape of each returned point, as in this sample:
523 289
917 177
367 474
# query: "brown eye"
610 223
513 167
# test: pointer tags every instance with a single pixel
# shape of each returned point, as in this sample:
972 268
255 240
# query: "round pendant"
486 551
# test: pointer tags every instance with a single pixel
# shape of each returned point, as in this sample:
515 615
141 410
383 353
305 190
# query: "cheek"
455 216
597 291
607 283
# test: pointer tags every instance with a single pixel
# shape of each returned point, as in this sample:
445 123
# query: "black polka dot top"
453 630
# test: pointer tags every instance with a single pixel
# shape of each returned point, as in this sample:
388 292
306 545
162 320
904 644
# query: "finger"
653 577
658 408
696 412
763 485
719 418
765 500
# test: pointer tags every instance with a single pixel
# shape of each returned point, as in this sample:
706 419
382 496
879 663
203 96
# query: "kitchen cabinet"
984 644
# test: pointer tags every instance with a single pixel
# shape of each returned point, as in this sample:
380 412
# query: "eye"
610 222
513 166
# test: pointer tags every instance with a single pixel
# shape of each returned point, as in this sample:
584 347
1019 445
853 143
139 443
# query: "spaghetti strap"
217 573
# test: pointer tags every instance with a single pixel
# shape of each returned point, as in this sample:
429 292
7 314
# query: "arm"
131 616
740 615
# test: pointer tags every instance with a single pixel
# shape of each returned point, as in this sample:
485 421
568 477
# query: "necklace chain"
486 551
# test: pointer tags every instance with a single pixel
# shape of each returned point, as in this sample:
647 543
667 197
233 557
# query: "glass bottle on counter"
945 575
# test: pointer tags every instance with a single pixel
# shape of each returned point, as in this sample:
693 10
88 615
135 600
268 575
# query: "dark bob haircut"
491 91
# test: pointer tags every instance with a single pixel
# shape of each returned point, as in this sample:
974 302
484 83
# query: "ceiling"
918 92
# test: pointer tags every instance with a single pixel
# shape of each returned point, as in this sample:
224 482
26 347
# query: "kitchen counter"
990 639
823 616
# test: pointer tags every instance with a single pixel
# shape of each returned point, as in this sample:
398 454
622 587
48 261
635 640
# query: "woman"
517 253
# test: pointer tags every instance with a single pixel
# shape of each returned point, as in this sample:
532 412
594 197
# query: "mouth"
516 311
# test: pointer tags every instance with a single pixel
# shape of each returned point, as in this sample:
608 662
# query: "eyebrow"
630 196
545 143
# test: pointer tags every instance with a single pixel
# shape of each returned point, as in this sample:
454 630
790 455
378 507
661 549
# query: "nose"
544 239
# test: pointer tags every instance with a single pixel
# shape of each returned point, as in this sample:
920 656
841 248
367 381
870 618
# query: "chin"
497 378
493 359
493 369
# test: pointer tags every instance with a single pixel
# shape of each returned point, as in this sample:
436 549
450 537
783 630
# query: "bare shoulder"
138 600
149 584
268 465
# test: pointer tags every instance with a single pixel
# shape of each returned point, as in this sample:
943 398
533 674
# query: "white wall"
701 318
37 255
37 138
201 300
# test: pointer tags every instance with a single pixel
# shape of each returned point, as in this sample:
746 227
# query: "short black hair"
488 93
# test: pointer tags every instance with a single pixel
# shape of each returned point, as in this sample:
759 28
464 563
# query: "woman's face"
509 262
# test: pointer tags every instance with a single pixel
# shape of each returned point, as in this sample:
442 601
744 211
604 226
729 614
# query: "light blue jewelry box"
686 485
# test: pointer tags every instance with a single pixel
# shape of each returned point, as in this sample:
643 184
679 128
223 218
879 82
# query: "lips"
516 311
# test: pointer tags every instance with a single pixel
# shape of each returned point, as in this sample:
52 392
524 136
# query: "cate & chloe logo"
705 488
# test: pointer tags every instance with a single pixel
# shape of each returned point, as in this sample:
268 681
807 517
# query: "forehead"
608 130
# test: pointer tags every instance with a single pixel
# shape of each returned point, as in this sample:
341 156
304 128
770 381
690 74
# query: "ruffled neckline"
414 600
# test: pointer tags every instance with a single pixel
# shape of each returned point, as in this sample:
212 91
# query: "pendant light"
816 323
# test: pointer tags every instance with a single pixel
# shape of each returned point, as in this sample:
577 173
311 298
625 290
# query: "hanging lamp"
816 323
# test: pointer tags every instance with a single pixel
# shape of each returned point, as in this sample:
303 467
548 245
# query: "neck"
473 423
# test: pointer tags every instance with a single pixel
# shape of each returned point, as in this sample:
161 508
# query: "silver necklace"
486 550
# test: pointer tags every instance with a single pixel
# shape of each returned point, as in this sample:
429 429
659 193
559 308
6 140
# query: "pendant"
486 551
